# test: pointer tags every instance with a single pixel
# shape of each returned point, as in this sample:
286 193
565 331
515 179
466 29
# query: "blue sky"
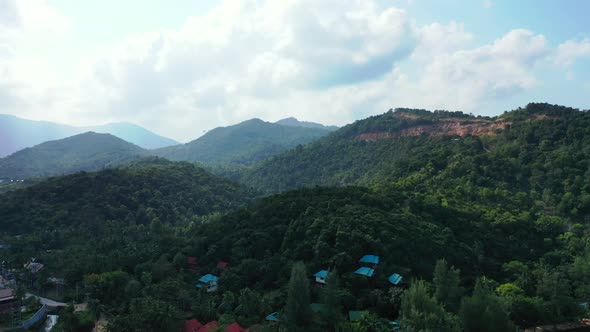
180 67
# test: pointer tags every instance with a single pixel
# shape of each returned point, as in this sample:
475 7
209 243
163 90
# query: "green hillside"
537 147
486 219
242 144
140 193
85 152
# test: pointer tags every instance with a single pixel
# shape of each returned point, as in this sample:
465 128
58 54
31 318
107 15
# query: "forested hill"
539 147
84 152
143 193
243 144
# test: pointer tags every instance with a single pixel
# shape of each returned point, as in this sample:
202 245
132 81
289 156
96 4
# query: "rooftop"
395 279
192 325
370 259
209 327
235 327
274 317
207 278
322 274
6 294
365 271
354 315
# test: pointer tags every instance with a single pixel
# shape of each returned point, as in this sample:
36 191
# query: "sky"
181 67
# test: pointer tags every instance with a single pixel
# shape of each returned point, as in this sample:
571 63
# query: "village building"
365 271
370 260
209 282
321 276
192 325
222 265
8 300
395 279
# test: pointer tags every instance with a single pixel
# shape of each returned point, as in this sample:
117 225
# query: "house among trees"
321 276
34 267
370 260
209 327
365 271
191 262
5 246
355 316
274 317
222 265
192 325
209 282
395 279
235 327
8 300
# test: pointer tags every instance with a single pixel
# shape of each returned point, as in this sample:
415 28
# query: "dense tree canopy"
512 206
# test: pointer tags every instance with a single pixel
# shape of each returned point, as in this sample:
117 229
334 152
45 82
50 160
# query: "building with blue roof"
356 315
274 317
209 282
321 276
395 279
370 259
365 271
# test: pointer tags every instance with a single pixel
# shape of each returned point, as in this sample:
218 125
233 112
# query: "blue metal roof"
355 315
322 274
365 271
274 317
395 278
207 278
370 259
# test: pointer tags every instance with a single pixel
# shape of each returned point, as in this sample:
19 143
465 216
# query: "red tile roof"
222 265
192 325
235 327
209 327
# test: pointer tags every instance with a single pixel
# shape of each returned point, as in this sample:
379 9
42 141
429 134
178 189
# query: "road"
46 301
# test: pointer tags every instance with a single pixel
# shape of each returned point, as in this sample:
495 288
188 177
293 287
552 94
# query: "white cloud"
34 15
331 61
243 60
571 50
465 79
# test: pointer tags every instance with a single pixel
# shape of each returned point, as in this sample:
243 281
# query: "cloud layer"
330 61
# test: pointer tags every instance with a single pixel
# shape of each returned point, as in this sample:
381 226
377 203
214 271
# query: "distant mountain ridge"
245 143
17 133
84 152
293 122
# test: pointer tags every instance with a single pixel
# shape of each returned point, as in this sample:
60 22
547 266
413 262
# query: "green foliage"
297 309
243 144
420 311
446 282
485 311
331 298
513 207
84 152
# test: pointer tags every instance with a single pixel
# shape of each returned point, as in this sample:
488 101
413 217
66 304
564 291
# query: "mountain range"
17 133
486 219
245 143
242 144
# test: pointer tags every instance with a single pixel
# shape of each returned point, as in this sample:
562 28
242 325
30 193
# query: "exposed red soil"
446 127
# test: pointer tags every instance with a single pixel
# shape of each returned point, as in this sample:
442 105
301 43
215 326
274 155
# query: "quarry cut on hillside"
452 126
